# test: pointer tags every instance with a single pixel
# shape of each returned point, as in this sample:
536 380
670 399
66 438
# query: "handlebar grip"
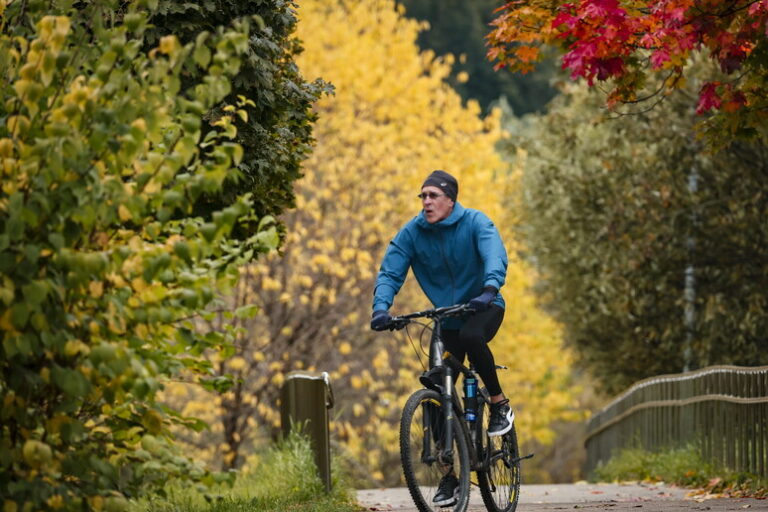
398 323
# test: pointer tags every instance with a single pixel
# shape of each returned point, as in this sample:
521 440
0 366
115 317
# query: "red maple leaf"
708 98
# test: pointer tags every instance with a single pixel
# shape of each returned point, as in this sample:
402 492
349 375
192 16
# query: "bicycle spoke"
500 482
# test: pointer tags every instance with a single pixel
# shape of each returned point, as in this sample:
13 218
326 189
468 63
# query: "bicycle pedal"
529 456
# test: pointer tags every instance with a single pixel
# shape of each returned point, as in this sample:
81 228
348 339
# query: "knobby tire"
422 478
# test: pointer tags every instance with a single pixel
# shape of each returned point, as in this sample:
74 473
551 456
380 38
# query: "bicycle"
437 436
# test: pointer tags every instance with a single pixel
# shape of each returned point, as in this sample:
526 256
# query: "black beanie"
444 182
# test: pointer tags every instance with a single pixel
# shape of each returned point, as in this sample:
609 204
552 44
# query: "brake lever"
398 324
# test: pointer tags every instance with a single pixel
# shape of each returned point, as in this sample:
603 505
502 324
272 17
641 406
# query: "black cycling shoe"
447 492
501 419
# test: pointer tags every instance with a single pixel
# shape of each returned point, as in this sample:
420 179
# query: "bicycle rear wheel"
421 441
500 482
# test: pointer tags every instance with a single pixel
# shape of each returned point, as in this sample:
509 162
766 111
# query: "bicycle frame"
450 404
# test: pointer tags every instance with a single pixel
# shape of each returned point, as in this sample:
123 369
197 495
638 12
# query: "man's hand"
483 301
380 320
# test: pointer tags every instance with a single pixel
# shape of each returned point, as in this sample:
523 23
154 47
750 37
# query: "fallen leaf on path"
704 497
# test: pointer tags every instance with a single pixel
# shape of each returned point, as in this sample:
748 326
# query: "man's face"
437 205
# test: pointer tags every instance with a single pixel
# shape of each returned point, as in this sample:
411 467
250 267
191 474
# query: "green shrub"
285 476
684 466
276 133
103 268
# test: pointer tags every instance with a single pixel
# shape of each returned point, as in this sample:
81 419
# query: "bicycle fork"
446 454
438 425
441 413
436 350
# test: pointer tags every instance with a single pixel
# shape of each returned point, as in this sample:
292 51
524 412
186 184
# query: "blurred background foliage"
617 208
459 28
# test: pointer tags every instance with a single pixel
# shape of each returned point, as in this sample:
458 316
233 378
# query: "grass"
684 467
285 479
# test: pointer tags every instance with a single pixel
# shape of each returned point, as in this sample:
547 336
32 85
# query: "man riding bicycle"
457 256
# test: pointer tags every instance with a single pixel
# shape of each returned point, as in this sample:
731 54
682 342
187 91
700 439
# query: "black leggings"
472 340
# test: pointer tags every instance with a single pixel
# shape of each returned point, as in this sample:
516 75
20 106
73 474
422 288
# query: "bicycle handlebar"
399 322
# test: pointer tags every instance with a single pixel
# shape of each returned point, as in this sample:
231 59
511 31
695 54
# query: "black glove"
483 301
380 320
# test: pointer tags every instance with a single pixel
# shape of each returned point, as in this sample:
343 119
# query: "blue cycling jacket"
453 260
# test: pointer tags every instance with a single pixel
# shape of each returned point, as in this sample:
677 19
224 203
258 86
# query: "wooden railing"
723 410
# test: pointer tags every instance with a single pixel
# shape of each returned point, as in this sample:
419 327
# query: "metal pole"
305 400
689 315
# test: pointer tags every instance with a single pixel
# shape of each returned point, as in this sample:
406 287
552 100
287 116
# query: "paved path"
582 497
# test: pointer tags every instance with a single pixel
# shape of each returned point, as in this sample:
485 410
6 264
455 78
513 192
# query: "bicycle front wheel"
499 482
421 445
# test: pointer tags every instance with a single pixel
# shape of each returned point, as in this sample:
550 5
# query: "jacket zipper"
447 266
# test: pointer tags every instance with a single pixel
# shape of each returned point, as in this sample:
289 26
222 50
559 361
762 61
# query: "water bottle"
470 398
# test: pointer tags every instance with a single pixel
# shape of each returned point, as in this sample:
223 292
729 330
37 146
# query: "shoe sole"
510 419
449 502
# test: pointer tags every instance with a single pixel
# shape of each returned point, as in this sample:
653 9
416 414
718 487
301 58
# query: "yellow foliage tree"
392 120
